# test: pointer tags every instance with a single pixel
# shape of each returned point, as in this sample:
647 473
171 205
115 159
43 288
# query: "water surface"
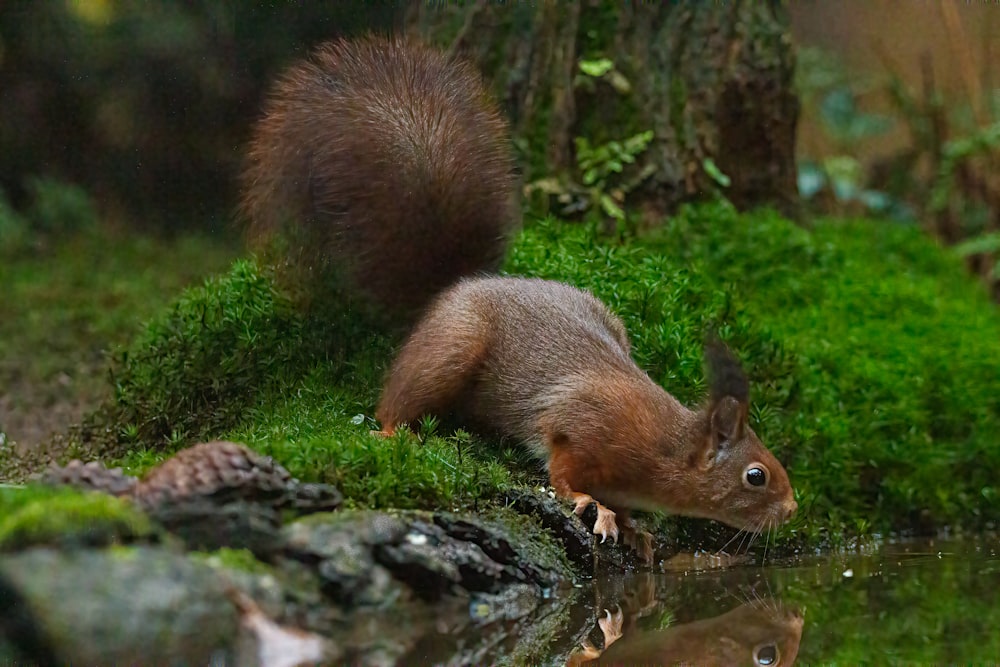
908 602
916 602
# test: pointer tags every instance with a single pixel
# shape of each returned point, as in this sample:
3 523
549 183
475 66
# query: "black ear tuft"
725 375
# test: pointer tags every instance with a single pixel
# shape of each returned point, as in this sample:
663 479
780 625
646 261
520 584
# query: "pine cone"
219 469
90 476
218 472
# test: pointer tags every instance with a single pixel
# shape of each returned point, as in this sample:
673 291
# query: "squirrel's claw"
605 524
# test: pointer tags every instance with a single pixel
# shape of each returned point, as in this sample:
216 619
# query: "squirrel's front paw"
580 503
605 525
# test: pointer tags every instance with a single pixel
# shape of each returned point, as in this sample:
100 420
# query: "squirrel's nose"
789 508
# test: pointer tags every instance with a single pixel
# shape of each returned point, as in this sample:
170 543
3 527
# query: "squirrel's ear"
729 392
727 418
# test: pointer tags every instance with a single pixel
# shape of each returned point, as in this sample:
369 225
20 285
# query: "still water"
913 602
927 602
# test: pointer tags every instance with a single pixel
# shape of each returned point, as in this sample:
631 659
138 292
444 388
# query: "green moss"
536 544
40 515
197 367
872 356
323 435
894 395
299 382
235 346
240 560
667 305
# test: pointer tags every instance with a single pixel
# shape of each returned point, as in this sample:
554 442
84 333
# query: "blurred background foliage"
147 105
901 119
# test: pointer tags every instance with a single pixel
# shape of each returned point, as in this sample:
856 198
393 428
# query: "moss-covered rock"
38 515
119 606
366 558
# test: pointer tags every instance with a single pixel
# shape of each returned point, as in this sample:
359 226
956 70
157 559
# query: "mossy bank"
873 360
370 583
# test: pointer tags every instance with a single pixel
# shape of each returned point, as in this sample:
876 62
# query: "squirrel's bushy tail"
388 162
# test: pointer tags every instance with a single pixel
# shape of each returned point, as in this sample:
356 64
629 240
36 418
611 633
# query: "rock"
338 546
140 605
364 587
431 564
202 523
563 524
264 643
432 555
496 542
511 603
20 640
367 587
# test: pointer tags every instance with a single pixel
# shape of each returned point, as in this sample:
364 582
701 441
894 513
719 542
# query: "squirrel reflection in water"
761 632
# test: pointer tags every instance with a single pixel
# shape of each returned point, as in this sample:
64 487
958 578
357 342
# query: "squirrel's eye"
755 475
766 655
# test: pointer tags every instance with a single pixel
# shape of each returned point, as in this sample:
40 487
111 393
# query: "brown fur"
389 162
549 364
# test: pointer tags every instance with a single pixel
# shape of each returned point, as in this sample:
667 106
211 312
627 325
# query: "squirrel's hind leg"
435 367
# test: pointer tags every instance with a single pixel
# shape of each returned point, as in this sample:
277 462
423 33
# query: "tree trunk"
711 80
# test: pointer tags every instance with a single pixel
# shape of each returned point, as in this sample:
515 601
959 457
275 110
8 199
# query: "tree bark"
713 81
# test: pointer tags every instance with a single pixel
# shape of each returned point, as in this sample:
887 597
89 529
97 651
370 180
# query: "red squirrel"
392 162
550 365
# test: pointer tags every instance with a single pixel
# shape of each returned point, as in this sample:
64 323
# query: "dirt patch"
33 411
